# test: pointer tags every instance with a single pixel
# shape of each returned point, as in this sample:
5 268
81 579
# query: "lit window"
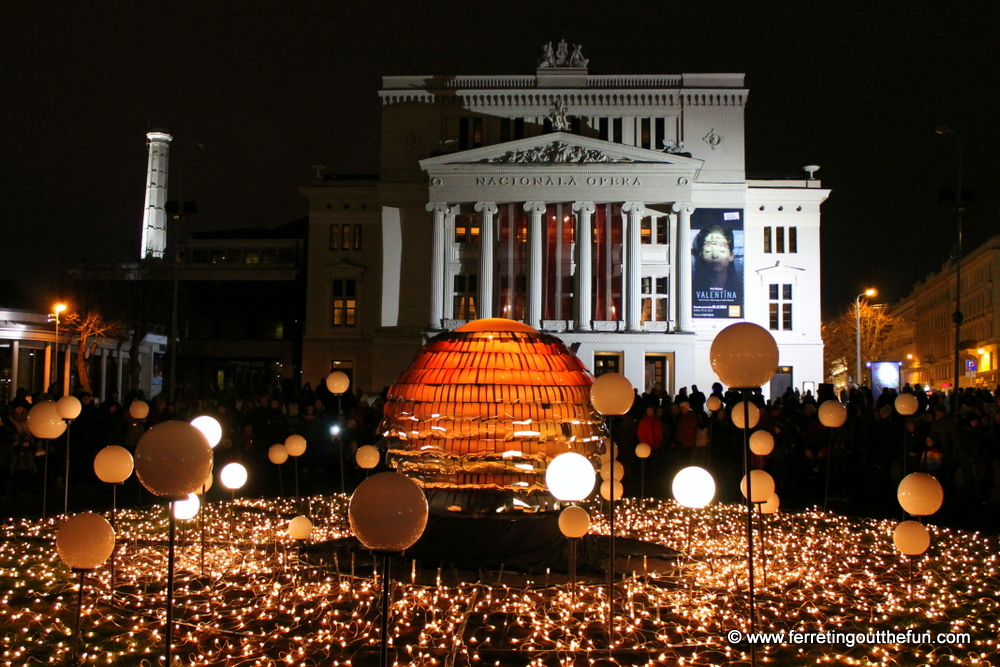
467 228
767 239
793 239
779 307
654 306
779 239
466 291
344 303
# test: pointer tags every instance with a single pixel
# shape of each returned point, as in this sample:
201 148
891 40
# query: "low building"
612 210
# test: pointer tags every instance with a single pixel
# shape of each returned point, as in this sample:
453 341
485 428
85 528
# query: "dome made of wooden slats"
487 406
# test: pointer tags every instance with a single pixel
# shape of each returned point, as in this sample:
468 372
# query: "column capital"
585 207
636 207
682 207
439 207
534 206
486 207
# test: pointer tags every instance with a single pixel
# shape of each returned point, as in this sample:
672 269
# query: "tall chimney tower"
154 217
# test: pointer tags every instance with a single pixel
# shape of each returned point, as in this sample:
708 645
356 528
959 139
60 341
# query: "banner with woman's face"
717 263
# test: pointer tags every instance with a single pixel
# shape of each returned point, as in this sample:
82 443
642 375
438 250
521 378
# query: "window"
779 239
779 307
345 237
467 228
654 301
767 239
654 230
793 239
505 128
617 128
602 129
344 302
466 290
660 133
477 132
645 135
463 134
607 362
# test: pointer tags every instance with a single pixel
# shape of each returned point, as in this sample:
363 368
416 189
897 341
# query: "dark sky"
269 89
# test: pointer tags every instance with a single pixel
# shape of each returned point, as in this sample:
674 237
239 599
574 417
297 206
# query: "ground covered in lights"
257 603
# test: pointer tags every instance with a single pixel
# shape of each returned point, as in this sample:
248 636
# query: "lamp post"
54 317
871 291
957 317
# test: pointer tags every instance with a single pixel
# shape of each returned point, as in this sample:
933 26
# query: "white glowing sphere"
300 528
85 541
906 404
920 494
570 477
210 428
606 488
761 443
188 508
762 486
277 454
574 522
613 468
233 476
744 355
172 459
337 382
612 394
739 417
138 409
295 445
911 538
113 464
44 421
694 487
388 512
367 457
69 407
832 414
642 450
771 505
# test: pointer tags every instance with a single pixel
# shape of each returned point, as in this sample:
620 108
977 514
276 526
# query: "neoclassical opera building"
611 210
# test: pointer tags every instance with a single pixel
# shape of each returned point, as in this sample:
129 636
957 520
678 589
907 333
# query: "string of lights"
260 604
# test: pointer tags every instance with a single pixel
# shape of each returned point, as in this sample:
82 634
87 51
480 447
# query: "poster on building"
717 263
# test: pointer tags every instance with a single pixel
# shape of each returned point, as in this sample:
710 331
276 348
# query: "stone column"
684 316
48 367
15 350
535 231
67 358
672 316
584 263
121 365
104 375
486 291
440 210
633 256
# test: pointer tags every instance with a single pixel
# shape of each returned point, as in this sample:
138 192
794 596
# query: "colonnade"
632 214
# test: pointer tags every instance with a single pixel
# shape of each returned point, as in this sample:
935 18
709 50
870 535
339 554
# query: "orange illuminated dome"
487 406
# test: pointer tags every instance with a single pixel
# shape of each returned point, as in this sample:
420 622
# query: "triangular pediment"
559 148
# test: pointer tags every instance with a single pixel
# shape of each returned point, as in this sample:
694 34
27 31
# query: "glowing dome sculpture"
487 406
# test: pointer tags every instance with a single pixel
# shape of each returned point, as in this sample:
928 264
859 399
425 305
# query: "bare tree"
91 328
881 335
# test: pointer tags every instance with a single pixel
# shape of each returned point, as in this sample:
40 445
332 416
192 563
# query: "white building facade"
613 211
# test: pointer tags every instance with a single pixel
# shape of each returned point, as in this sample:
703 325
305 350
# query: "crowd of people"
854 468
955 438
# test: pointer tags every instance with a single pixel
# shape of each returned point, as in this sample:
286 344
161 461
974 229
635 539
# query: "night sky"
255 93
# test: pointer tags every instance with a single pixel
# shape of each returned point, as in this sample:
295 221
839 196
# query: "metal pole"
384 648
857 336
829 462
170 585
957 317
114 523
79 614
746 469
201 526
45 479
611 552
66 474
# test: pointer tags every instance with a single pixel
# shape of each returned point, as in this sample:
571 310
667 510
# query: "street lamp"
957 317
871 291
54 317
